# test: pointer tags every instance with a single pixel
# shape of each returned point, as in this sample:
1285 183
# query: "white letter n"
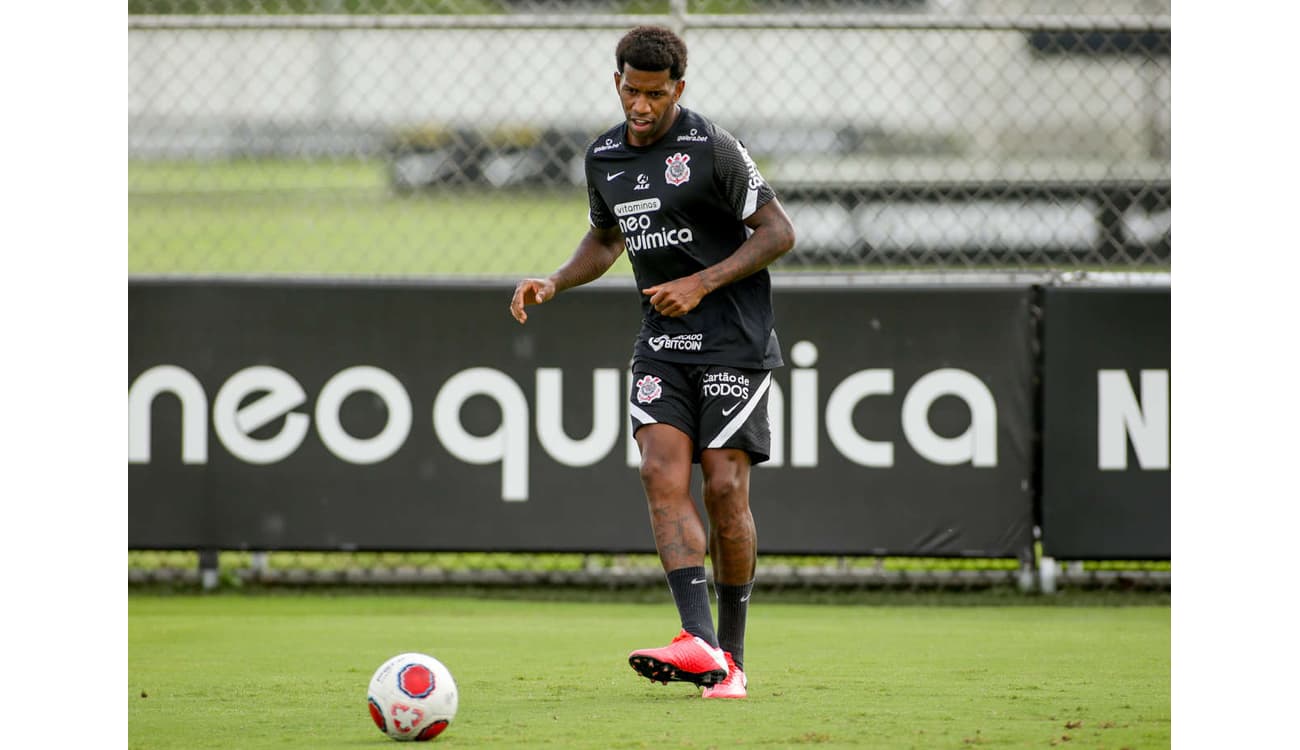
1120 418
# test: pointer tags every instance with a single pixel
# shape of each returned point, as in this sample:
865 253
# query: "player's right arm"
596 252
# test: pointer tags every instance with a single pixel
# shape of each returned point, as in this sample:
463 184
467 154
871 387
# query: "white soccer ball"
412 697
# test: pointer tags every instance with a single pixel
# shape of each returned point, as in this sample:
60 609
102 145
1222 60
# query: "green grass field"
339 218
273 671
342 218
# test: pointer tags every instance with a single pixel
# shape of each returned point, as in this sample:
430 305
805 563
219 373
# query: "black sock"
733 606
691 593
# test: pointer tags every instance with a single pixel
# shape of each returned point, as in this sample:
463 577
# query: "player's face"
649 102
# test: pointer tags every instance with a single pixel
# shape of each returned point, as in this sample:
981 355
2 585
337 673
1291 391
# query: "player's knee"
659 475
724 488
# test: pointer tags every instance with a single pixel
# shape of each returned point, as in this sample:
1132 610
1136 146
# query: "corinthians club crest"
648 389
677 172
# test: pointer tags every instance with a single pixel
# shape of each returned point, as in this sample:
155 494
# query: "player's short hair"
652 48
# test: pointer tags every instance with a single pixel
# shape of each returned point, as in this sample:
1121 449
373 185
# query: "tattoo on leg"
679 537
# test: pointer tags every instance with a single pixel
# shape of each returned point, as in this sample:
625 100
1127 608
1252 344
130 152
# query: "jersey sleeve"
737 176
598 214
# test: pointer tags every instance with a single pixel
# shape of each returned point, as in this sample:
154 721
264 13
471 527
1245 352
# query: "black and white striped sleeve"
737 176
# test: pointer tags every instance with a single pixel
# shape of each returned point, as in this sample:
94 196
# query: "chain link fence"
445 137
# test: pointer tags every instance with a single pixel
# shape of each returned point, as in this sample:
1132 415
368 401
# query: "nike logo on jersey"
727 412
610 177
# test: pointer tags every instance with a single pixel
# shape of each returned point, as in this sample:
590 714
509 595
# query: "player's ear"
618 80
678 88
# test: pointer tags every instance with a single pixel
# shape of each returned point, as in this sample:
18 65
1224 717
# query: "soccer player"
700 225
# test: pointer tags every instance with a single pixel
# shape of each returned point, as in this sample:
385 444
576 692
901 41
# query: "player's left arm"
772 237
737 179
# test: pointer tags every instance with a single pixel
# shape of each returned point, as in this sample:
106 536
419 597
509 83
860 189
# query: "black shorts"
715 405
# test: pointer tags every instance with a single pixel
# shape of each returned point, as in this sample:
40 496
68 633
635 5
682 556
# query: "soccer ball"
412 697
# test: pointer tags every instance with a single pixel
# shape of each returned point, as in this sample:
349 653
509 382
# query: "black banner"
404 416
1106 481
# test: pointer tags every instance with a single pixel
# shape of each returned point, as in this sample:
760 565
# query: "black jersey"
681 203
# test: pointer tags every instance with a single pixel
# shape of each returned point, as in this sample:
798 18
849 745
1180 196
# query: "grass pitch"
286 217
265 671
339 218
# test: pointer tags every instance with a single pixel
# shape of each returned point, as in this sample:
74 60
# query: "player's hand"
530 292
675 298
